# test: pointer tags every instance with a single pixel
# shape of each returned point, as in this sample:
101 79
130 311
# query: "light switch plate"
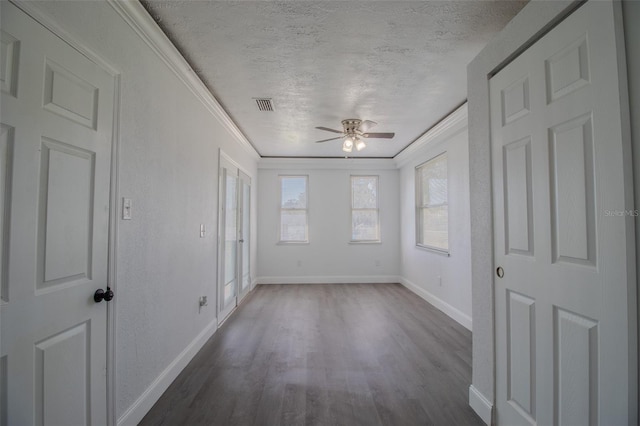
126 208
202 230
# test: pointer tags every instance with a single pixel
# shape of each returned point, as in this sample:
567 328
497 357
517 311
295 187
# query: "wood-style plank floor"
344 354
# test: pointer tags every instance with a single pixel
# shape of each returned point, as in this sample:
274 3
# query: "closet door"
563 235
55 170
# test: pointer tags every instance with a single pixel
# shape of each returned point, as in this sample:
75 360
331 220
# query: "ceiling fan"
354 130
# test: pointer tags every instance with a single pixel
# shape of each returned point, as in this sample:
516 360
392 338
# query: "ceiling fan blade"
331 139
378 135
366 125
329 130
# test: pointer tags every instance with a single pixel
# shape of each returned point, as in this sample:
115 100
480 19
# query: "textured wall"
422 267
168 166
328 253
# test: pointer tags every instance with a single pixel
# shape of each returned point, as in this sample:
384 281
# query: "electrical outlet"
202 230
202 301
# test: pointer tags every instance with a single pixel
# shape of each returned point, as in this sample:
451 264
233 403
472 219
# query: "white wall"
169 143
328 257
420 268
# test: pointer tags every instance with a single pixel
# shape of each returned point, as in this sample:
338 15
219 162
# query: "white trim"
444 130
327 163
480 404
114 223
457 315
135 15
134 414
330 279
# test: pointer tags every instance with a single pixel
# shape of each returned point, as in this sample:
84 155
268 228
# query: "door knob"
500 272
101 295
242 241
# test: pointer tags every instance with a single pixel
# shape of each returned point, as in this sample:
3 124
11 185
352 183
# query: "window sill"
292 243
366 242
441 252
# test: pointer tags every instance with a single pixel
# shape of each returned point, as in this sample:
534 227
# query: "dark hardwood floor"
344 354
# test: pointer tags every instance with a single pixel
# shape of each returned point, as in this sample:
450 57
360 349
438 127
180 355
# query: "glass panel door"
228 239
244 210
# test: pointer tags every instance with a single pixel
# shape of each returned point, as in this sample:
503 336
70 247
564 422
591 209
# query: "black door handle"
101 295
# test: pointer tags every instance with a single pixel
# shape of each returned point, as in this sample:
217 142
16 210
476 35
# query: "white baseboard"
143 404
481 405
459 316
330 279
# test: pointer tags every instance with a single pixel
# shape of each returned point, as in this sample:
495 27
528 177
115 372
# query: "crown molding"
136 16
447 127
327 163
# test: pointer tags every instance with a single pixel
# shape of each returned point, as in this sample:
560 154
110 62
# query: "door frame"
43 19
533 22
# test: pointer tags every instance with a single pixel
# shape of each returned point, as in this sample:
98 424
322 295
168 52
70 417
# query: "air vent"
264 104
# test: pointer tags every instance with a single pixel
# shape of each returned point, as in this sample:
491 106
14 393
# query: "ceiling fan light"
360 145
347 146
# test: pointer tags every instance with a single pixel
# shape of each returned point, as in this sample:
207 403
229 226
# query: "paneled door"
563 232
244 230
228 238
55 158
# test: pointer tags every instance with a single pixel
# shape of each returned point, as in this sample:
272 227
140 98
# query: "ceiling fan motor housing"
351 126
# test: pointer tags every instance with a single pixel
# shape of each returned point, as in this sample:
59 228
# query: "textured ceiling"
399 63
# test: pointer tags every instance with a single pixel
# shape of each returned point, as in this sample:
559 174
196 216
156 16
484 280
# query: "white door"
244 230
56 130
228 238
234 280
564 347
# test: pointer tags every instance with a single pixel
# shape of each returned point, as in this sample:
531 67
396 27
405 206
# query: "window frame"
422 206
378 239
305 209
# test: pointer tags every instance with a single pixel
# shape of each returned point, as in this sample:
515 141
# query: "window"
293 209
432 209
365 225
